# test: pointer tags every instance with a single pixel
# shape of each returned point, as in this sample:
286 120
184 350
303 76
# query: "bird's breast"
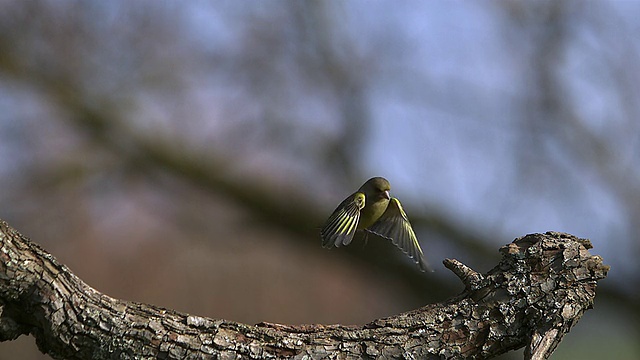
371 212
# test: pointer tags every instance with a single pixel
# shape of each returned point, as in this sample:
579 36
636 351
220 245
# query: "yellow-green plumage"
372 209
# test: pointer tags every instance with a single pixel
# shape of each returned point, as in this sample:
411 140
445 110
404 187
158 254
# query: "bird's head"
376 188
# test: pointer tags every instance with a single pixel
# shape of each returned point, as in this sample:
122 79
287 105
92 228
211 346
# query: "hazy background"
185 153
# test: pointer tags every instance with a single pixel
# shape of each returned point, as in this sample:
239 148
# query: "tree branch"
537 292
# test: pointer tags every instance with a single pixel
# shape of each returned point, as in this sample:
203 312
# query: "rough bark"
532 298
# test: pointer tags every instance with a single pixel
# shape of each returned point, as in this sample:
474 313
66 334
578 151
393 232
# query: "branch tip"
542 345
471 279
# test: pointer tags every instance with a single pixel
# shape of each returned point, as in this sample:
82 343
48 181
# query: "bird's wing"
394 225
341 226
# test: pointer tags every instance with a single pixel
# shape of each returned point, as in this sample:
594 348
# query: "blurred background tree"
185 153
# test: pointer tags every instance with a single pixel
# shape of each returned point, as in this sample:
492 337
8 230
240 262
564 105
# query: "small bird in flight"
373 210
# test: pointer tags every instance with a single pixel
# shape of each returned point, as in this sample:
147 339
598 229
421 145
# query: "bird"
372 209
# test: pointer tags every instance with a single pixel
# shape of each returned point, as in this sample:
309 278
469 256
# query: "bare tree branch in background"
554 122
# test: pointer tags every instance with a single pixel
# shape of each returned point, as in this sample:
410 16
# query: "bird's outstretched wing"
394 225
341 226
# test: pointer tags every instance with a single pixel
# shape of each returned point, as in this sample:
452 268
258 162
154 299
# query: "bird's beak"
386 195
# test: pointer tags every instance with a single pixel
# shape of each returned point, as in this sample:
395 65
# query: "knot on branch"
544 281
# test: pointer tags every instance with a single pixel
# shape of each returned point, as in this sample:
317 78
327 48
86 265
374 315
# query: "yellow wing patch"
342 223
395 226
